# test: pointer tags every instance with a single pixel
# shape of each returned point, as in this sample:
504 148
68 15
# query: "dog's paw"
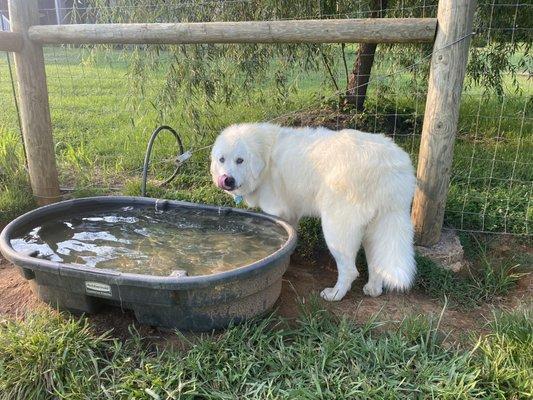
332 294
372 290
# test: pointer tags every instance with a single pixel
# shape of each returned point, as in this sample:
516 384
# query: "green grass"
102 116
503 359
471 288
15 193
319 356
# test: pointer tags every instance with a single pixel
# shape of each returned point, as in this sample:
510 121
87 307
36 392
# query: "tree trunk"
360 75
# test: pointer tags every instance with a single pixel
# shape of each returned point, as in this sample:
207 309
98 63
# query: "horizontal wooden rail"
383 30
11 41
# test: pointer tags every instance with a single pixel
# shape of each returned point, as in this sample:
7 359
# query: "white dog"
359 184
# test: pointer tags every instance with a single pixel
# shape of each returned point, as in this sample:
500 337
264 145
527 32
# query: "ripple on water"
146 241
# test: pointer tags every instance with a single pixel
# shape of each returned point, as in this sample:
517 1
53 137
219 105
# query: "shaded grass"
486 277
492 169
319 356
470 288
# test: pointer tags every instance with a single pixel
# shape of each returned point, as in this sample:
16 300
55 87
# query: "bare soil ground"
302 280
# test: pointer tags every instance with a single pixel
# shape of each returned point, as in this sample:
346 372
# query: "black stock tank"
176 265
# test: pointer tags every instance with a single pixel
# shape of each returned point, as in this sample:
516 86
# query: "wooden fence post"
34 108
447 71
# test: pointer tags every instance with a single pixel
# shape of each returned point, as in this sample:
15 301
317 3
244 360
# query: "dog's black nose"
229 182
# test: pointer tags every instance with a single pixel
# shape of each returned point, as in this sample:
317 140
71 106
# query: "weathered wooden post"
10 41
447 71
34 108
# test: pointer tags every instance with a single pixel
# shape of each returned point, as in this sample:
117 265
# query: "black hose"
149 152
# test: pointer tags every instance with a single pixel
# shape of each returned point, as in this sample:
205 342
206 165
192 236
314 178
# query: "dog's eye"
221 159
239 161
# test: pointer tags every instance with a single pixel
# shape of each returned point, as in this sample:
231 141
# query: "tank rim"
124 278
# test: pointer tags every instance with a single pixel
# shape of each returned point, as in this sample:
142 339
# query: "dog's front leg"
283 213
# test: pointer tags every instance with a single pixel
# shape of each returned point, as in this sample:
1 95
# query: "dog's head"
240 157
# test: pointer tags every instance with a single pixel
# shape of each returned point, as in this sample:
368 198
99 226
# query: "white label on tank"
98 288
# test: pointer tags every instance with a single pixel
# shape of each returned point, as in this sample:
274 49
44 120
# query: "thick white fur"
359 184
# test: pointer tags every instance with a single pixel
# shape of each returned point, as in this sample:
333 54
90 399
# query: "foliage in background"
500 30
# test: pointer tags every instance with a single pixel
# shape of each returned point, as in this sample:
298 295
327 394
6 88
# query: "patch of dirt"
302 280
388 118
15 293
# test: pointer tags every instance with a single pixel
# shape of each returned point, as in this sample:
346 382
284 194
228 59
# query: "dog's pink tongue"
221 181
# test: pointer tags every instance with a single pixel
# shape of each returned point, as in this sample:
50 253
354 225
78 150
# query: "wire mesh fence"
105 100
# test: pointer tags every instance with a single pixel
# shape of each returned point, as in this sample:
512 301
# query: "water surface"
150 242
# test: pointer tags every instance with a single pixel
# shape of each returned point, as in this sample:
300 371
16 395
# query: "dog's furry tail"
389 249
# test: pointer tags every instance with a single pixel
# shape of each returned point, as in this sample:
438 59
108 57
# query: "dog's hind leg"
343 237
374 286
388 244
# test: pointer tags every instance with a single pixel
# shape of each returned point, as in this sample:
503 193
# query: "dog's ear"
257 165
258 145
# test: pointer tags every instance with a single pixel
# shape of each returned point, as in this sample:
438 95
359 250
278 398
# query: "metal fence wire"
106 99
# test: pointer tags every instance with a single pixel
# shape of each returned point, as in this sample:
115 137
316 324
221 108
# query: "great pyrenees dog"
359 184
